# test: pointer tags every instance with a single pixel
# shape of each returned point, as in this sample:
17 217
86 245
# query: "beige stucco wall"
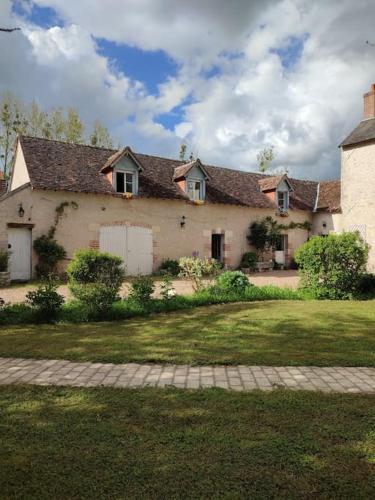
333 223
20 175
358 193
80 228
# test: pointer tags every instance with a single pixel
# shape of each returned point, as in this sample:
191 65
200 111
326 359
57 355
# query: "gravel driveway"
17 293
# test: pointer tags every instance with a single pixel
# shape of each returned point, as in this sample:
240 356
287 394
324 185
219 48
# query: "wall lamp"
183 221
21 211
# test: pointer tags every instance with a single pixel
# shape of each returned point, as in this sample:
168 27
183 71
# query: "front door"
281 250
19 244
216 247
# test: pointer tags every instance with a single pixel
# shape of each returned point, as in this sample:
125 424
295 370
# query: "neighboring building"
147 209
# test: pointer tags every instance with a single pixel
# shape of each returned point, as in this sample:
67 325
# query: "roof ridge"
25 136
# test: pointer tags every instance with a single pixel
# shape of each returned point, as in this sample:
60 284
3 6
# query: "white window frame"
125 173
285 204
192 195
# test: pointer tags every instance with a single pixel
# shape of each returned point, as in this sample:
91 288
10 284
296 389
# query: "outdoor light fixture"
21 211
324 224
183 221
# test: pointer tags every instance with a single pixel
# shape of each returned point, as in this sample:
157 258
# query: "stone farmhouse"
147 209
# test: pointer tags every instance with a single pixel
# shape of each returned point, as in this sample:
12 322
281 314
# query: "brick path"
240 378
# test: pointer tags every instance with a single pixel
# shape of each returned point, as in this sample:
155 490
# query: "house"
147 209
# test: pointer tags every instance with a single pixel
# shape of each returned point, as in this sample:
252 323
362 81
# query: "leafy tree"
74 127
100 136
57 124
12 122
264 235
331 267
182 153
265 157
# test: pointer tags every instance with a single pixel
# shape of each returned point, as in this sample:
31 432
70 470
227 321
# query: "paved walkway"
239 378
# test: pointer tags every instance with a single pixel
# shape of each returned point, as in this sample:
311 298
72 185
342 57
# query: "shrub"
49 254
18 314
92 266
264 235
46 301
4 260
167 291
195 269
2 303
366 285
233 281
249 260
332 267
170 267
141 289
97 298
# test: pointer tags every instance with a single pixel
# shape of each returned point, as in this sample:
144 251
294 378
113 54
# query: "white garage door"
19 241
133 244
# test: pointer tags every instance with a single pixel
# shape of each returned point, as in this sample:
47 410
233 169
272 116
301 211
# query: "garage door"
133 244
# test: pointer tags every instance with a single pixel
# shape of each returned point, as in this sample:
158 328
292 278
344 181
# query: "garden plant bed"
150 443
320 333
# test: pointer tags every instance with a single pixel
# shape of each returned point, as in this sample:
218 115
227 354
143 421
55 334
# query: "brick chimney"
369 103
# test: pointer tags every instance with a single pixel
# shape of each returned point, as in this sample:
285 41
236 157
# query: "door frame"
221 237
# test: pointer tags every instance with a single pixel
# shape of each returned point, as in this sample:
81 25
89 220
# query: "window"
195 190
283 200
125 182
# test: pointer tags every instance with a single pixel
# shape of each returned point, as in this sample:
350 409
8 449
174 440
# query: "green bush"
46 301
233 281
49 254
167 290
249 260
97 298
196 269
18 314
141 289
92 266
4 260
331 267
170 267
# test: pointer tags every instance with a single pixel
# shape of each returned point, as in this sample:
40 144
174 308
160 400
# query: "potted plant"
248 262
4 273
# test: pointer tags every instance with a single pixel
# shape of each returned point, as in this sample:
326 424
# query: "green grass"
321 333
150 443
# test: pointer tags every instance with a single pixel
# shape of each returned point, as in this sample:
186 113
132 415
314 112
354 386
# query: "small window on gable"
195 190
283 200
125 182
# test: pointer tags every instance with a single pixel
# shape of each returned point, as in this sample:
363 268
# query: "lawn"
150 443
321 333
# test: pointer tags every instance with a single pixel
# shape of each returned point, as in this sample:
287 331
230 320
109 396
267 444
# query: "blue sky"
227 78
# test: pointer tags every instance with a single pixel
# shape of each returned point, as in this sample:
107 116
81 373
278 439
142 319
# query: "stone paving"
238 378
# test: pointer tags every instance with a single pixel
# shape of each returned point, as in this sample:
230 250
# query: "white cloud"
304 110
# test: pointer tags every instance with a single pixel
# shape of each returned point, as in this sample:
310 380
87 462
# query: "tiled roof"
62 166
363 132
329 196
183 170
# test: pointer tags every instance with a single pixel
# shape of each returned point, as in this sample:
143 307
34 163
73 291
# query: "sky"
227 78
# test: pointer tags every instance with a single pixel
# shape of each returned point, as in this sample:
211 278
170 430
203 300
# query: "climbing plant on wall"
49 251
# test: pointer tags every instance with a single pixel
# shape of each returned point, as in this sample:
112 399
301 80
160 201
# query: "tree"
182 151
74 127
264 235
100 136
265 158
58 124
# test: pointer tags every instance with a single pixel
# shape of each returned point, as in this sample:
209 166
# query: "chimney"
369 103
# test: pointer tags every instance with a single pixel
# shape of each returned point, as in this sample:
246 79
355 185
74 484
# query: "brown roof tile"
329 196
62 166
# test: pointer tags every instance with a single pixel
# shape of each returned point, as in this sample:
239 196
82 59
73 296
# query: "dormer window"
195 190
283 200
125 182
191 178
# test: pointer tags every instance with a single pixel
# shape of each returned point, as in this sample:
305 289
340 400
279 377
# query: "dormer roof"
183 170
272 183
126 152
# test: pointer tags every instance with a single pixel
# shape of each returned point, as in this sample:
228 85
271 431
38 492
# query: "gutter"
317 198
